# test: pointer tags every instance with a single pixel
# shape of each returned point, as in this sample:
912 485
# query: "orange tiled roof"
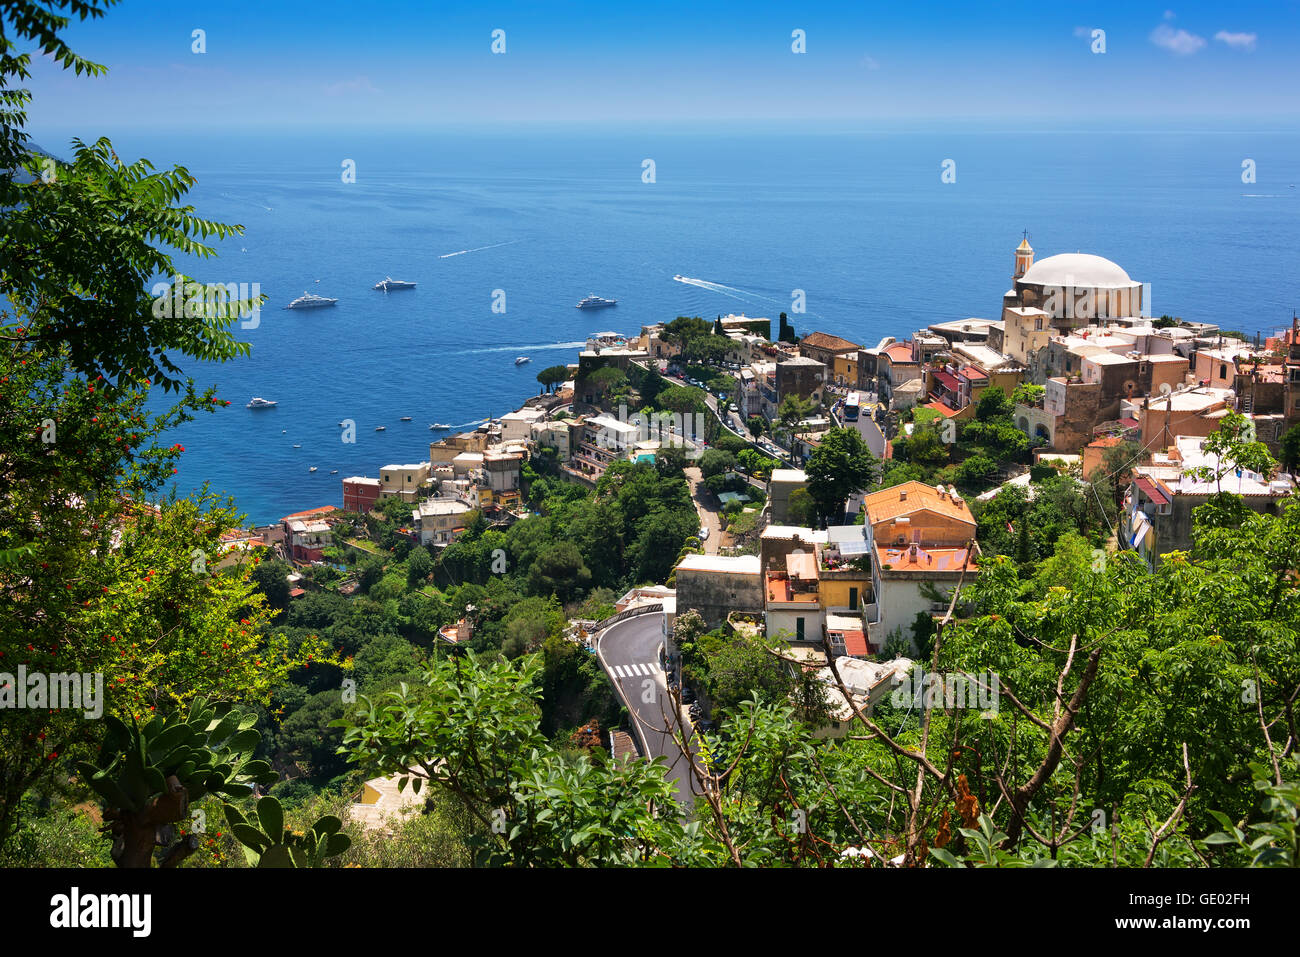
888 503
310 513
824 340
937 560
942 409
900 352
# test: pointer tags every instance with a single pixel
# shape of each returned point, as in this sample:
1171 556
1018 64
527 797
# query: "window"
798 629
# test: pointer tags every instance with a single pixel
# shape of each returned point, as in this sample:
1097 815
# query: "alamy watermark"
673 429
71 691
1082 302
194 300
948 691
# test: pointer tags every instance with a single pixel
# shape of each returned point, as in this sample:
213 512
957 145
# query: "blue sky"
328 64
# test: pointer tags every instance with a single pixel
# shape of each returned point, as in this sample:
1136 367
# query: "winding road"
629 651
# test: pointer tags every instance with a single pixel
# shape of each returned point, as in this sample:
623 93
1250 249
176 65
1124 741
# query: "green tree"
418 566
715 462
559 571
552 376
270 577
840 466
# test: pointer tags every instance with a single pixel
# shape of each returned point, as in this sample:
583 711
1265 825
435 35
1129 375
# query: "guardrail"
624 615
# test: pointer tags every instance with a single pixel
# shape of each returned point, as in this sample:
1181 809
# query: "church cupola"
1024 258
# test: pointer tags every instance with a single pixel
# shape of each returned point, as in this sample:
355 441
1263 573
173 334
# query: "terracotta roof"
942 409
1105 443
310 513
888 503
1153 490
824 340
938 560
971 372
947 379
855 644
900 352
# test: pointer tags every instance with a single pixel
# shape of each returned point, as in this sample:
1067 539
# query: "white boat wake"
518 350
736 293
477 249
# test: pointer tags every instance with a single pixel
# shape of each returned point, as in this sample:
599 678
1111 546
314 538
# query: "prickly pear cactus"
147 777
268 843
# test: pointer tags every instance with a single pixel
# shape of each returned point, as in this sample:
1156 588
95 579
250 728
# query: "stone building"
716 585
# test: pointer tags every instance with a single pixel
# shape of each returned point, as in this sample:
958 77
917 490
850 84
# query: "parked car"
732 407
704 533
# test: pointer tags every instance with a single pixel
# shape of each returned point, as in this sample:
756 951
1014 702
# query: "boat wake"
734 292
477 249
517 349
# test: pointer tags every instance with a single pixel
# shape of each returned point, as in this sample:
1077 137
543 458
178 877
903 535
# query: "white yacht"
406 418
389 284
380 428
521 360
312 469
439 427
310 301
595 302
257 402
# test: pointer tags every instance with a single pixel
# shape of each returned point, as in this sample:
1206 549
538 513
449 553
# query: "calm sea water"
860 222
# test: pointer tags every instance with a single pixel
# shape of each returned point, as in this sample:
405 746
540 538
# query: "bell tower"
1024 257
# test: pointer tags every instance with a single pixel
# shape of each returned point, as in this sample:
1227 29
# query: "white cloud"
870 62
1176 41
1238 41
360 84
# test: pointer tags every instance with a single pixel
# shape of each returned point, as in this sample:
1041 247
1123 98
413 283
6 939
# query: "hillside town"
1086 373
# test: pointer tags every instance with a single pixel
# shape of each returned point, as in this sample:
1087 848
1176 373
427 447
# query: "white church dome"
1081 270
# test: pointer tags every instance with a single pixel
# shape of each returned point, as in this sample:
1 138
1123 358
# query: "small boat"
406 418
312 469
257 402
284 431
439 427
334 471
310 301
380 428
297 446
389 284
521 360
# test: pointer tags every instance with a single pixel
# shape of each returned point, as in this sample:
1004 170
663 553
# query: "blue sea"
860 221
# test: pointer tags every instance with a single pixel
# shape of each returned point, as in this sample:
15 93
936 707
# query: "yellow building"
844 370
403 481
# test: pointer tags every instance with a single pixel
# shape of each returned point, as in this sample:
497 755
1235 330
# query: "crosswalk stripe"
643 669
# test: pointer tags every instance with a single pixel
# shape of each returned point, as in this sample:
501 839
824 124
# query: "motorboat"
521 360
406 418
257 402
595 302
380 428
310 301
390 284
439 427
312 469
